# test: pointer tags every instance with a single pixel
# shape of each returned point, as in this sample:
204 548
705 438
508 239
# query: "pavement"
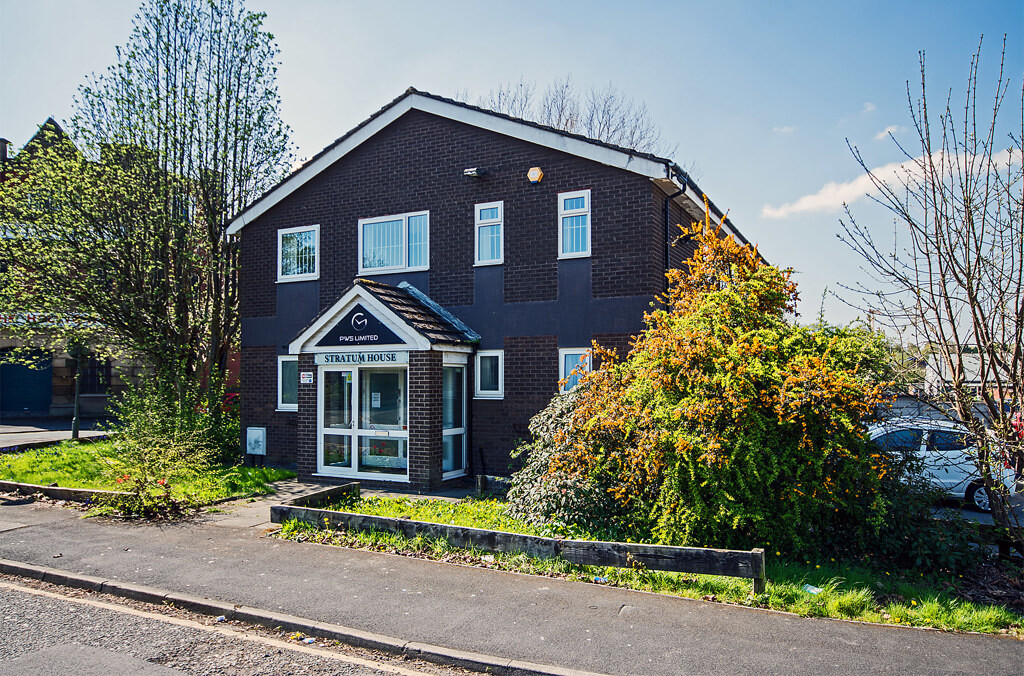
226 557
21 433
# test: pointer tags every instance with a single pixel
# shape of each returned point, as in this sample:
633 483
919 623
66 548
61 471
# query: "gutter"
676 172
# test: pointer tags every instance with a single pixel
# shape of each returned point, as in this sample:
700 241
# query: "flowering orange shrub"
727 425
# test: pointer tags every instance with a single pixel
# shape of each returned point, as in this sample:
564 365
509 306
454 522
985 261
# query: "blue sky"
760 97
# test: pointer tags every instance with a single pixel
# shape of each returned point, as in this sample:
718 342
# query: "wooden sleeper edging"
696 560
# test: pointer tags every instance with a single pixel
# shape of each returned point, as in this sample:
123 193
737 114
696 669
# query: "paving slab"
515 617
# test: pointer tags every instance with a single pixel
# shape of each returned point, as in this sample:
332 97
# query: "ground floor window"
95 376
573 362
288 383
363 419
490 374
453 414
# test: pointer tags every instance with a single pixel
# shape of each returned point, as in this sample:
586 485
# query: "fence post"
757 561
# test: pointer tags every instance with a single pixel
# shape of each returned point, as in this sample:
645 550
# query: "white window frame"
478 223
404 267
562 352
489 394
562 213
355 433
316 254
281 359
457 431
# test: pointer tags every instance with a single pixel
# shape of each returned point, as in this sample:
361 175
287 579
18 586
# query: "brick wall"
307 431
531 379
425 415
416 164
259 403
681 247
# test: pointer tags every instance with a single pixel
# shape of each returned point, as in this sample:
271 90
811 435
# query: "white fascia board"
306 341
476 118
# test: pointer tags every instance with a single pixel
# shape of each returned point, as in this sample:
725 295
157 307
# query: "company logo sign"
359 327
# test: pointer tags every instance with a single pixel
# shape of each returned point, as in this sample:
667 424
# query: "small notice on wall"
306 377
375 400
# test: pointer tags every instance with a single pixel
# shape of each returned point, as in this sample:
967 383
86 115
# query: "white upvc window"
298 253
288 383
490 374
573 363
490 236
396 243
574 224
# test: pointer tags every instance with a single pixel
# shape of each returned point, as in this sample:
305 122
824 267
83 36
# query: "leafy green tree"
129 238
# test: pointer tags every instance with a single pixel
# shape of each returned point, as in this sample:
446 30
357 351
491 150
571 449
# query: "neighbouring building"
415 292
939 378
40 383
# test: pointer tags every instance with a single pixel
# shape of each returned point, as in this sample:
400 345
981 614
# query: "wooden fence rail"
697 560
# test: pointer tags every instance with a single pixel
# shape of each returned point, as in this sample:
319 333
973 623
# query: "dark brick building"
413 294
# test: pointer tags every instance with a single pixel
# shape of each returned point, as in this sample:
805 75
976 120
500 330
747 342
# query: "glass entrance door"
364 428
336 421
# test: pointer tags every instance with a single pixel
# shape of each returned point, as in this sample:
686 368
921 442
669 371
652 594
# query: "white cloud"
784 130
833 196
869 107
891 129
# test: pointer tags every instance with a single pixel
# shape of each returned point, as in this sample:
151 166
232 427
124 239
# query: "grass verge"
846 591
74 465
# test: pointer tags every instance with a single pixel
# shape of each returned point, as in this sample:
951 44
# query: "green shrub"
729 425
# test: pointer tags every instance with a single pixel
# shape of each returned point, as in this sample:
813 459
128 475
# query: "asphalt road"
69 632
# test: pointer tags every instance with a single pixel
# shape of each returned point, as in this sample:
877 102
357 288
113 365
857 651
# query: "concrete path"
22 433
569 624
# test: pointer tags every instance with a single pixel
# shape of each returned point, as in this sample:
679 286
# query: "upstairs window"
490 218
574 224
298 253
394 243
573 362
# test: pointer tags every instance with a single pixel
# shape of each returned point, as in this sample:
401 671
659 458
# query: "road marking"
223 631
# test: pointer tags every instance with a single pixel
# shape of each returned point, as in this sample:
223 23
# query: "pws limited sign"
362 358
359 327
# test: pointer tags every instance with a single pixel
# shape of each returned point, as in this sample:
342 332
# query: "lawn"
823 589
87 465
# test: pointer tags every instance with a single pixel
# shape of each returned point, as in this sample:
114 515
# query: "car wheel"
977 495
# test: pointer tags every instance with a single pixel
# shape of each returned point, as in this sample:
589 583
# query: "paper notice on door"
375 400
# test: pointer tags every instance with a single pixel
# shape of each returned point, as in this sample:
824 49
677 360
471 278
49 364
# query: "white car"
947 452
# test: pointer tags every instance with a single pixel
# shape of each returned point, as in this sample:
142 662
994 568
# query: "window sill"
298 278
483 264
489 396
445 476
364 475
563 257
390 271
287 410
